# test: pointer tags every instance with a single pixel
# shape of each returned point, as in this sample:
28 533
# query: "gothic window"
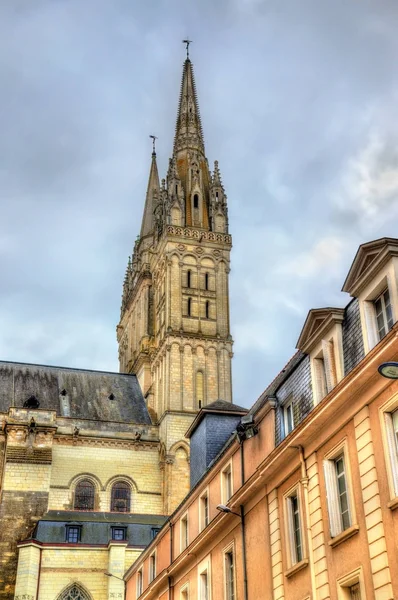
196 201
84 495
207 307
189 307
189 278
120 497
74 592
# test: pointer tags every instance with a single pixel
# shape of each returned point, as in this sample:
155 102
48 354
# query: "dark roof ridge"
13 362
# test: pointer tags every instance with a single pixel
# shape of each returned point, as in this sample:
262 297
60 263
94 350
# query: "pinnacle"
152 190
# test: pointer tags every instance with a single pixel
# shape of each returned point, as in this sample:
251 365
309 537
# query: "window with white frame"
295 534
184 593
351 586
229 574
152 567
139 583
226 483
325 369
288 416
204 586
184 532
338 491
391 429
383 310
204 510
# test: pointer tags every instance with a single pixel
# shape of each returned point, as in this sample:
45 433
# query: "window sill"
296 568
344 535
393 504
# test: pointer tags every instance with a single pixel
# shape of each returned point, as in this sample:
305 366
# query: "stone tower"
174 330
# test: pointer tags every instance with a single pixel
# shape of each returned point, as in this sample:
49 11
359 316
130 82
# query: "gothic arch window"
189 307
196 201
120 497
207 307
206 281
189 278
74 592
199 388
84 495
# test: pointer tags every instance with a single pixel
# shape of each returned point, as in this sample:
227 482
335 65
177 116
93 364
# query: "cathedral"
92 463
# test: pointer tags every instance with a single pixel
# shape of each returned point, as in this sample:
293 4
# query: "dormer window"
372 279
384 316
321 338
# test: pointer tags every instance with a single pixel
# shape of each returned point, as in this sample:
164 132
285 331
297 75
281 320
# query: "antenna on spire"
154 138
187 42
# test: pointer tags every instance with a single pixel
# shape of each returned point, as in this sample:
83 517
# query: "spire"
152 192
188 126
217 176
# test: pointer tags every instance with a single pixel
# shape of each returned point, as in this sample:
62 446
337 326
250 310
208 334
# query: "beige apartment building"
298 498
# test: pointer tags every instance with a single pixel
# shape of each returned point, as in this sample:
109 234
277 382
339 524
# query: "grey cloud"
290 93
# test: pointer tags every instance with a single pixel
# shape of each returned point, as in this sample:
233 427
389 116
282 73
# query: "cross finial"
187 42
154 138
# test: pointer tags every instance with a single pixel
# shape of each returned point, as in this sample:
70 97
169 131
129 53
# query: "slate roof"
86 392
277 381
96 527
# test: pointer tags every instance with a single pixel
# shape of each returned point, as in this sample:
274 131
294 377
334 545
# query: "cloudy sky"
299 105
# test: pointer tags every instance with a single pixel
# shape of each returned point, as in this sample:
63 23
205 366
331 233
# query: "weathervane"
154 138
187 42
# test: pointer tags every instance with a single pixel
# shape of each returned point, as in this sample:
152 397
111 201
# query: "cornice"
310 337
358 277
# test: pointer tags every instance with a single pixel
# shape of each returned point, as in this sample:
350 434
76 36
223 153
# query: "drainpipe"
242 463
242 522
171 588
304 481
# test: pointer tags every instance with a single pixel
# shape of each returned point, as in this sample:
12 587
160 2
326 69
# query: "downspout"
242 463
170 579
3 469
242 522
304 481
38 576
171 587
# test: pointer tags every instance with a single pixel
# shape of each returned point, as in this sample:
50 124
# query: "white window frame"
327 367
184 592
184 532
289 404
140 583
332 495
152 567
390 444
347 581
230 549
386 279
203 522
292 556
383 312
204 569
225 496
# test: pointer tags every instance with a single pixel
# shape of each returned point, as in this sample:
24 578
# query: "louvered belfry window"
120 498
84 495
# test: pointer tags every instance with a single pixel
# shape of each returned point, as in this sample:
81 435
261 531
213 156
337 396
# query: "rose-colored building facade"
316 485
